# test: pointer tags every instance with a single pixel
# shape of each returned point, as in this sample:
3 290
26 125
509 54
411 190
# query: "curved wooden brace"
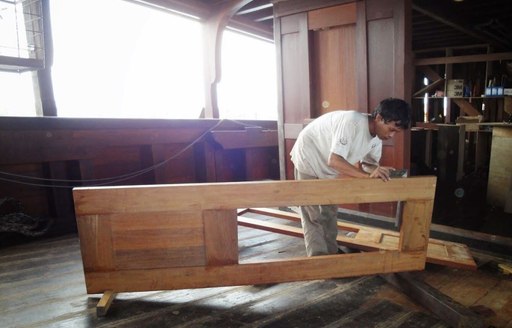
213 30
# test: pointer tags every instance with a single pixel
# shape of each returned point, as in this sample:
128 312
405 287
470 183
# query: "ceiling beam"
463 59
254 9
455 25
193 8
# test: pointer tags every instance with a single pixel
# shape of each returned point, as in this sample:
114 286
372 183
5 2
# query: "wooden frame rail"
163 237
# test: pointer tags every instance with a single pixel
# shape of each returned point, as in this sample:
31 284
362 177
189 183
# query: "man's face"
386 130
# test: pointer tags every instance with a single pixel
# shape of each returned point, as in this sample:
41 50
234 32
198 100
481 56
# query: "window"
21 52
20 99
118 59
248 86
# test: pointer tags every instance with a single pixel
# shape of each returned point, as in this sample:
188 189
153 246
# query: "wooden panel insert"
178 240
221 237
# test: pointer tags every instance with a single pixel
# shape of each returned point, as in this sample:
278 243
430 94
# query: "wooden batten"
233 195
320 267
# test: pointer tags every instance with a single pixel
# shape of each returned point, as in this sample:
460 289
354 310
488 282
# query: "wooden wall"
341 55
181 151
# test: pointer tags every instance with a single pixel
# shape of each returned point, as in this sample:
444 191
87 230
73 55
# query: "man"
343 144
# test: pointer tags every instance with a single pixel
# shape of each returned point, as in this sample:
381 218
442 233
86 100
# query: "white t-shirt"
345 133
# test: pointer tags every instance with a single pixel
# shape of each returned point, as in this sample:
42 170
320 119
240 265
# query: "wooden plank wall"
91 149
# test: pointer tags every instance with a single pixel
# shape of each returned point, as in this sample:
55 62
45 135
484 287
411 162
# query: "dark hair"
394 110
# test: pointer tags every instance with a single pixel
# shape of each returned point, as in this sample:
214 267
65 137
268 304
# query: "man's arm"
344 168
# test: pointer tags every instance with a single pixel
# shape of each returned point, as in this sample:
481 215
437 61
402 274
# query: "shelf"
488 97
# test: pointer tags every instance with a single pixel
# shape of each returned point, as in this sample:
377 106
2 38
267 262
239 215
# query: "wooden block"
104 303
415 228
221 237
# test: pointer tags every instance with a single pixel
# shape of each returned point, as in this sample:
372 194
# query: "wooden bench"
165 237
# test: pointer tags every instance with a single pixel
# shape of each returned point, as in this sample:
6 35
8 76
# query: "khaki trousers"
320 225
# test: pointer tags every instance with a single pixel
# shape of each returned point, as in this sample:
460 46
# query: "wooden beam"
189 7
248 138
272 271
213 29
463 59
428 88
285 7
438 303
466 107
135 199
429 72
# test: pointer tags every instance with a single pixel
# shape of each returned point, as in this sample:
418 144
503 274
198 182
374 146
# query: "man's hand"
381 172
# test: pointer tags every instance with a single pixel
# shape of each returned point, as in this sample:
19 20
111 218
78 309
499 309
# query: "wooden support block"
438 303
104 303
505 268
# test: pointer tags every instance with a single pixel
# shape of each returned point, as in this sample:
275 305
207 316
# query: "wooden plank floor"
42 285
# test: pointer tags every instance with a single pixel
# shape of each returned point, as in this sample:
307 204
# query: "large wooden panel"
149 237
334 69
295 71
381 60
294 99
389 66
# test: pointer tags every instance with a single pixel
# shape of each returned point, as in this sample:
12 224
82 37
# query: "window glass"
119 59
17 96
248 86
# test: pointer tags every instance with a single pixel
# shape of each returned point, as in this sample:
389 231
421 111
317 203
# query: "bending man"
342 144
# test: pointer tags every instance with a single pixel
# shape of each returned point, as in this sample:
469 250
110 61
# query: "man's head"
391 116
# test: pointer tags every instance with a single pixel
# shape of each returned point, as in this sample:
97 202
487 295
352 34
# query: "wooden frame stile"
165 237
